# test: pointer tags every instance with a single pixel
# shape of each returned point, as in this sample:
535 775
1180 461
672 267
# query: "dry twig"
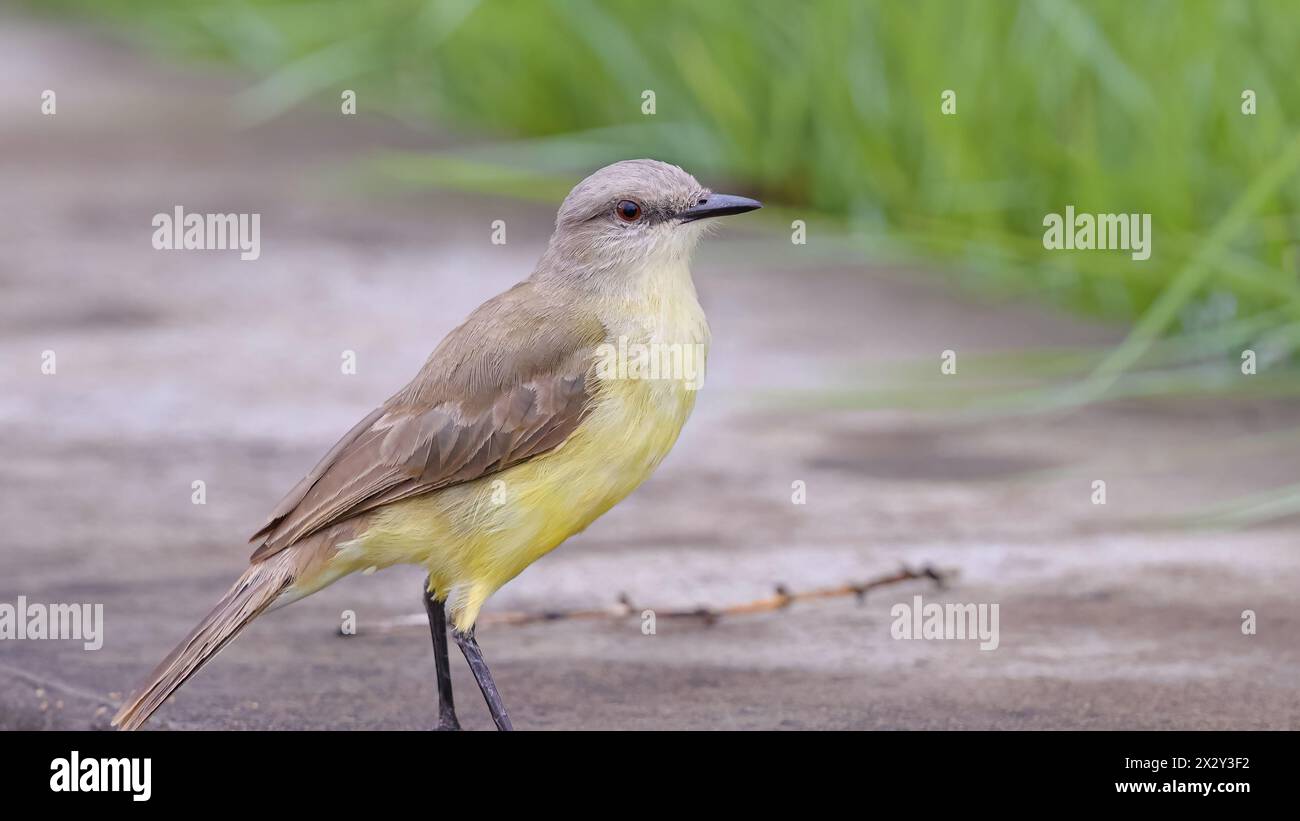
781 598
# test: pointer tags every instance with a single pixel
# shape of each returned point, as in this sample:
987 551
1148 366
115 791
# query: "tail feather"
253 593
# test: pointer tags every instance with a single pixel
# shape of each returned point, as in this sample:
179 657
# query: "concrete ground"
175 367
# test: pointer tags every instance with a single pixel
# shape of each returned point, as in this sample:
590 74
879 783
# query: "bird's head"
637 212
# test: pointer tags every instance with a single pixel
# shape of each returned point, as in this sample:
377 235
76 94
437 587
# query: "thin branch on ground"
781 598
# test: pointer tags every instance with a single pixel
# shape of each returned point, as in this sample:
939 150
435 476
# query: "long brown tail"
252 594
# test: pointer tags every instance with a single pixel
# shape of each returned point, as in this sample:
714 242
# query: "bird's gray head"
635 213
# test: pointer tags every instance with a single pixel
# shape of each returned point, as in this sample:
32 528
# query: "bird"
515 434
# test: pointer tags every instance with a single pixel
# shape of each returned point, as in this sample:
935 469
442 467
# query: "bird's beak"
718 205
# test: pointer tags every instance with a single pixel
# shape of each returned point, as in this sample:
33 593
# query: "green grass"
832 109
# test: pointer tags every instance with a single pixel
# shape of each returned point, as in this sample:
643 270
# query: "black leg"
437 611
483 676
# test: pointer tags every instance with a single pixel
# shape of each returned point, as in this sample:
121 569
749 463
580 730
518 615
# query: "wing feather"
508 385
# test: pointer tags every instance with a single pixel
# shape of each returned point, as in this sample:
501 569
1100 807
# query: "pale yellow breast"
477 536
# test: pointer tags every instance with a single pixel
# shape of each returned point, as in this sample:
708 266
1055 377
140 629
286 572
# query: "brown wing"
509 384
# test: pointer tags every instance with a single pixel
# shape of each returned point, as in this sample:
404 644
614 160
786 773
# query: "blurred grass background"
831 110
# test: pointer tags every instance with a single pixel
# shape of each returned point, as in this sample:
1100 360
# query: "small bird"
515 435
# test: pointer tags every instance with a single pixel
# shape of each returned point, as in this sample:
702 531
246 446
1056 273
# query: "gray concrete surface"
176 367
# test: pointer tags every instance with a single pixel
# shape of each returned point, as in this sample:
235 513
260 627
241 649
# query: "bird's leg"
437 611
474 656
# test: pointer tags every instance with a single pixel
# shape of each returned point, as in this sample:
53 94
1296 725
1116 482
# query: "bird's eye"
628 211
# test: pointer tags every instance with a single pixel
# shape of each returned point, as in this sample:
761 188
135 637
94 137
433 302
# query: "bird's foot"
447 722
